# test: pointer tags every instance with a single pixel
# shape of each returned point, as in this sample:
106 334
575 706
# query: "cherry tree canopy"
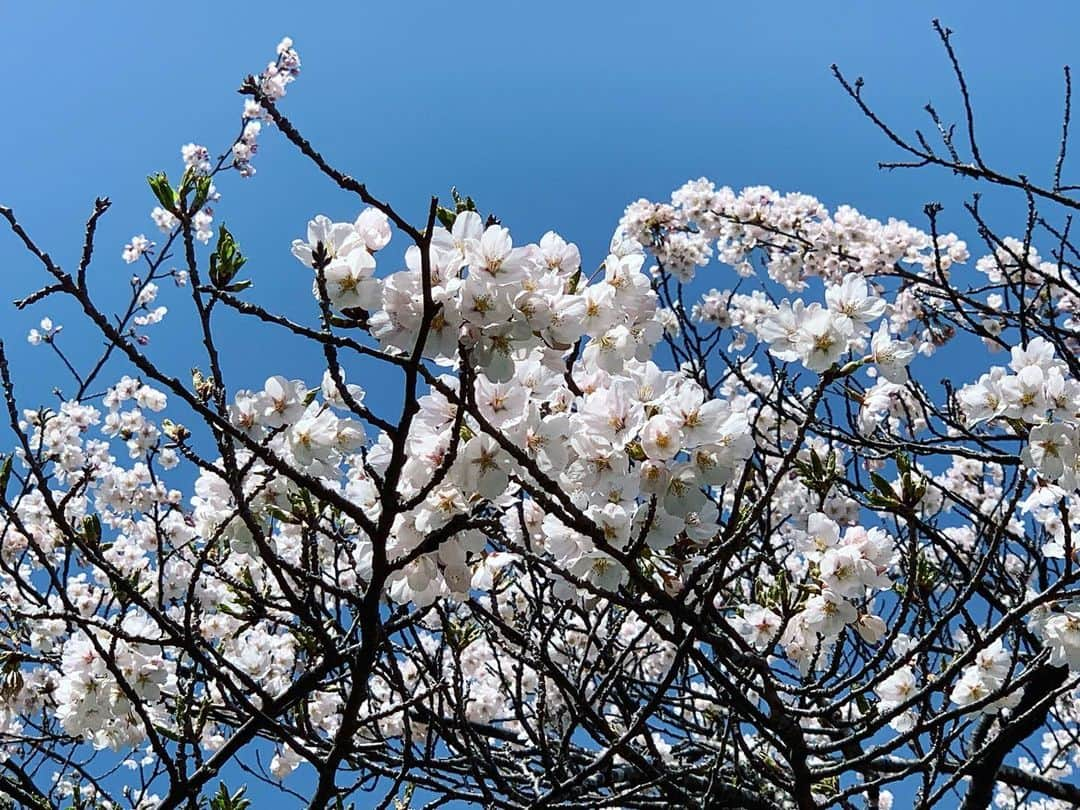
692 524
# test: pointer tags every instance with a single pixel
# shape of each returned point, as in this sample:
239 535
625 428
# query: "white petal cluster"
1041 395
986 676
800 236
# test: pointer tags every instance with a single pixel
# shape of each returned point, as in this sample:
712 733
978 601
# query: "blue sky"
553 115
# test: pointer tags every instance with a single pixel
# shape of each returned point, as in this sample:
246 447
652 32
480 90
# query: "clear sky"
552 114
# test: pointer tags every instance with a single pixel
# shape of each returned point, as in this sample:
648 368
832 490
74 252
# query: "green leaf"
862 704
5 474
572 285
832 465
446 217
225 263
168 733
224 800
883 486
92 529
11 677
881 503
903 462
165 193
460 204
202 191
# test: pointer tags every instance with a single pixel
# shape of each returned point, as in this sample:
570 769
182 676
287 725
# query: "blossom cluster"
800 236
1042 396
273 83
